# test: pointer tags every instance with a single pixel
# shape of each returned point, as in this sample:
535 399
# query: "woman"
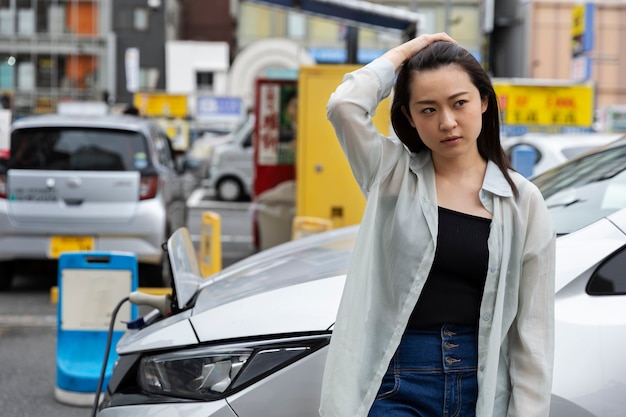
448 304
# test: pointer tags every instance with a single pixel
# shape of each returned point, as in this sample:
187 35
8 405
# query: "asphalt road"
28 319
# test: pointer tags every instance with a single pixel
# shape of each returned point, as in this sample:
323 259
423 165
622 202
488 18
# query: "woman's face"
446 109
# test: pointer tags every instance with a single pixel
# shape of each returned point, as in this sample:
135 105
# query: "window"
163 147
610 277
76 149
148 78
141 19
132 19
204 80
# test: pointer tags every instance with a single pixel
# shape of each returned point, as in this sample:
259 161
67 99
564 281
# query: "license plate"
60 244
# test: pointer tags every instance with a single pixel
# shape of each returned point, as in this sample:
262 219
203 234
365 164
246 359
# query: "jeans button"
449 345
451 360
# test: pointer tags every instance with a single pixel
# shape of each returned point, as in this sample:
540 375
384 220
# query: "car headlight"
213 372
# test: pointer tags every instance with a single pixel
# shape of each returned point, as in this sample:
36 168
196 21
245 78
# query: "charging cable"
162 303
106 355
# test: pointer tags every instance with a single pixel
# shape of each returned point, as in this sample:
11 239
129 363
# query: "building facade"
51 51
62 50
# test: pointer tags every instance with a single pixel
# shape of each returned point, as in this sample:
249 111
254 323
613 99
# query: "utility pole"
352 45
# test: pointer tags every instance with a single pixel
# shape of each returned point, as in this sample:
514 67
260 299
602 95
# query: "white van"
231 170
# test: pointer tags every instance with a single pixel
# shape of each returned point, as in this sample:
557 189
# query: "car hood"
306 307
290 288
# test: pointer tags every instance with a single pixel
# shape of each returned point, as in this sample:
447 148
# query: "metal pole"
352 45
448 15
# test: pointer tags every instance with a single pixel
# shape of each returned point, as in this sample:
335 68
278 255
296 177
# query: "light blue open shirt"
394 253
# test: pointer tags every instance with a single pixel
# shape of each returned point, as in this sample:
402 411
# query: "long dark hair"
434 56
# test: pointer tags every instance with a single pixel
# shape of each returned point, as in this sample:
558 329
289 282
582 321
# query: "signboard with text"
219 109
275 132
545 108
161 104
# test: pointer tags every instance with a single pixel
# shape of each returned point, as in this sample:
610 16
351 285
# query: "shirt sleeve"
350 110
532 335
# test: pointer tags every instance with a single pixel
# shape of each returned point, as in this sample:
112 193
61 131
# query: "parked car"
252 340
89 182
198 156
231 167
554 149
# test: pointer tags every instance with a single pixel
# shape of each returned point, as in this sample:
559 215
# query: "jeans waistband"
448 348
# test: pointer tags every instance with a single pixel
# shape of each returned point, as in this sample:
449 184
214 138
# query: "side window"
610 277
247 142
161 142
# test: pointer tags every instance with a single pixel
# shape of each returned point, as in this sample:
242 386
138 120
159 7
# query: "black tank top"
454 288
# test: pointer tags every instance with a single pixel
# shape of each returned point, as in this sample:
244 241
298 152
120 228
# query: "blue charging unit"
523 159
90 285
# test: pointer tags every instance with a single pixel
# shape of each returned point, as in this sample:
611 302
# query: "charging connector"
163 303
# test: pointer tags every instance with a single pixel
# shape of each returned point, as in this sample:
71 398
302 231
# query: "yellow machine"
326 188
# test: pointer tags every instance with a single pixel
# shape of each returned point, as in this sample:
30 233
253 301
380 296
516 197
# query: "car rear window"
83 149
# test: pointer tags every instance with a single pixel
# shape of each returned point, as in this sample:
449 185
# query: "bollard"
210 251
304 226
90 285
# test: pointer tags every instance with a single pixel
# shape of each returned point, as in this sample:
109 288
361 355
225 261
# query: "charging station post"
90 284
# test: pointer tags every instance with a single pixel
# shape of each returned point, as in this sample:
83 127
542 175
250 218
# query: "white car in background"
231 166
554 149
251 340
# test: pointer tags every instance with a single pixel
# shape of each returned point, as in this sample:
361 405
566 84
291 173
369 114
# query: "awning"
355 13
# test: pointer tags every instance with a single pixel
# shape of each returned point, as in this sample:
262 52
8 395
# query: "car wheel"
229 189
6 275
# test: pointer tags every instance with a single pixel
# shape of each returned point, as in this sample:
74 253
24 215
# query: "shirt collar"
494 181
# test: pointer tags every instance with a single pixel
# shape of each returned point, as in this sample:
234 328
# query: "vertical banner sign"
582 41
268 124
131 62
5 128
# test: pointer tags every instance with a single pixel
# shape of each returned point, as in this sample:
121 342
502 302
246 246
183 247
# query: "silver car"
252 340
104 182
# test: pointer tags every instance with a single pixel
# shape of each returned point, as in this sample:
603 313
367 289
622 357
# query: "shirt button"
482 368
493 269
486 317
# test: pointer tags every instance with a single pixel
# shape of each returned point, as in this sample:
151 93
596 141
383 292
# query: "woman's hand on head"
402 53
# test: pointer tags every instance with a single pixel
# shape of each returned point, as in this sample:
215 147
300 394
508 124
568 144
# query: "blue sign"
219 107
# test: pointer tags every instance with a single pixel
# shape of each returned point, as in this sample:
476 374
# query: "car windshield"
587 189
78 149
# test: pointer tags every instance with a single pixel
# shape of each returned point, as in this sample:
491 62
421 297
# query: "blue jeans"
432 374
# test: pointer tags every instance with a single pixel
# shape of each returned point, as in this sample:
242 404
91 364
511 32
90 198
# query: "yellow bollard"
303 226
210 251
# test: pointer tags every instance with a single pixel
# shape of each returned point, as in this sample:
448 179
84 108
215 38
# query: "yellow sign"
578 20
161 104
546 105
